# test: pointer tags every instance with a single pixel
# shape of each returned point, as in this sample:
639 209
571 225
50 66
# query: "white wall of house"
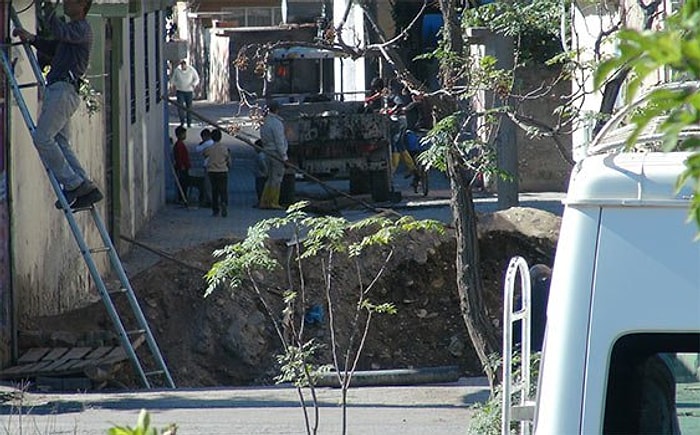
49 274
219 61
587 24
349 75
589 21
143 153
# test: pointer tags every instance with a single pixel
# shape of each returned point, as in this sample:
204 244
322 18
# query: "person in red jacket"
182 162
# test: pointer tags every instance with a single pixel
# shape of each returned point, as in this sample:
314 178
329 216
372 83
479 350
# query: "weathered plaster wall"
219 70
542 166
50 275
143 153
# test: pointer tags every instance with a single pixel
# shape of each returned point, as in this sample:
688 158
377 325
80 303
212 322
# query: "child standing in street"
199 173
182 163
218 164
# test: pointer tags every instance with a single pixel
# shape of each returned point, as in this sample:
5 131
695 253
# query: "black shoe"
215 213
89 199
85 188
416 181
224 212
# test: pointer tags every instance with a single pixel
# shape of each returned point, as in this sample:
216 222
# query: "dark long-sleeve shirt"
69 51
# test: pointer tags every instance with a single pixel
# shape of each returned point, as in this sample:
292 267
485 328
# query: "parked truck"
622 342
330 136
334 140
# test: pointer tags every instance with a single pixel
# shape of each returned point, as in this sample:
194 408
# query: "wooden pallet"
63 361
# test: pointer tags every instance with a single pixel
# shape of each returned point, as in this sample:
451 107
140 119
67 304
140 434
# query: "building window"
146 64
253 16
158 38
132 69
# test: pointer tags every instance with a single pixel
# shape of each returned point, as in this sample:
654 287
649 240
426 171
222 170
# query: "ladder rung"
155 372
28 85
77 209
98 250
136 332
118 291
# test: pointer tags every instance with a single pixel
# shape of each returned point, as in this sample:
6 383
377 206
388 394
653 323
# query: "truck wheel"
379 185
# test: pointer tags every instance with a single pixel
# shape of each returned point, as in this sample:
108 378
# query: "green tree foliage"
143 427
318 242
644 52
535 25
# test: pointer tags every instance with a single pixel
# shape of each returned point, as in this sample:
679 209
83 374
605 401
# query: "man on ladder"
69 51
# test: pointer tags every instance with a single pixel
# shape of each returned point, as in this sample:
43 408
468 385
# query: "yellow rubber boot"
395 159
265 198
408 161
275 198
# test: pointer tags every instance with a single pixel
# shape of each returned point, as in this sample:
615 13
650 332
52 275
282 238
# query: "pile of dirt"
228 338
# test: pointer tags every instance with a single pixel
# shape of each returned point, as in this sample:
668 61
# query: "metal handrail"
524 314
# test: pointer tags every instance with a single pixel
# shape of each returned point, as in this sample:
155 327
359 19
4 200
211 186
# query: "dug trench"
228 339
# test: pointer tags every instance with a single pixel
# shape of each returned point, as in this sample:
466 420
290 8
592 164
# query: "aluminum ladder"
524 411
142 331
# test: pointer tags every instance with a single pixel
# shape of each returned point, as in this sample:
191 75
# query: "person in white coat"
185 79
275 145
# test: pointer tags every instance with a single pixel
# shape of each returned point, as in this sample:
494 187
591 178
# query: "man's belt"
70 80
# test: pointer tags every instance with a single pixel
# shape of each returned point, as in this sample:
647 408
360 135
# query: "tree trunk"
470 287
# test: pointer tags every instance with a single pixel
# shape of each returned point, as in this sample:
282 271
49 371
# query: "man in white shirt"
275 145
185 79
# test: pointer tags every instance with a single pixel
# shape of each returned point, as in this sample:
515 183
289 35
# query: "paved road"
434 409
176 227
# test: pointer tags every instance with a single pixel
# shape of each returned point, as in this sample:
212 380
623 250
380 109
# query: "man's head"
205 134
180 132
273 106
183 64
216 135
76 9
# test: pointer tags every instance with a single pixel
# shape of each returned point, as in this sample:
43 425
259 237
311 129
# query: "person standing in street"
259 171
185 79
69 51
218 163
182 162
275 146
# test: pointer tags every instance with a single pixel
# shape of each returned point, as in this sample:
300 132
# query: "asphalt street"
433 409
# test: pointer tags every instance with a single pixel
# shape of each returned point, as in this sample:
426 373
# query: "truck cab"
621 349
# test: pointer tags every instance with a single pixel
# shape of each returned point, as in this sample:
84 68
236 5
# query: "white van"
622 342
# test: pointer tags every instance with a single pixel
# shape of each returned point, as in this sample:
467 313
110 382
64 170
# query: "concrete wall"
143 157
49 273
542 167
219 68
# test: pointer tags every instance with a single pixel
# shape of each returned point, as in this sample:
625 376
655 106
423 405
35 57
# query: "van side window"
653 385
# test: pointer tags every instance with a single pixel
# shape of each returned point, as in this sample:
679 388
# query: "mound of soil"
229 339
